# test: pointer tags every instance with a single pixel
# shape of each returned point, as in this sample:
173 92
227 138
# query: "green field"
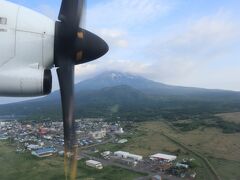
26 167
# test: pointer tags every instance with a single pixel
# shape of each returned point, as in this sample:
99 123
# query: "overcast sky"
180 42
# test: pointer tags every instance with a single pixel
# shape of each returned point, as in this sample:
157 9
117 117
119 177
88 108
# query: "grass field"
230 117
222 150
108 173
26 167
228 170
212 142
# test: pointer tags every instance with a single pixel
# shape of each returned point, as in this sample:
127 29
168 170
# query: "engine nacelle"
25 82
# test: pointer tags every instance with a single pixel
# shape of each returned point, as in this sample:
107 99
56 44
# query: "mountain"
114 94
111 79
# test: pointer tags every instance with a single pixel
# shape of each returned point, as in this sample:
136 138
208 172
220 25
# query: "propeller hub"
80 47
89 47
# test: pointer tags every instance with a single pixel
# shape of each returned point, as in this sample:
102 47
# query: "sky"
178 42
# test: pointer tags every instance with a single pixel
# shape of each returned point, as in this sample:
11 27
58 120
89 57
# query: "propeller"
73 45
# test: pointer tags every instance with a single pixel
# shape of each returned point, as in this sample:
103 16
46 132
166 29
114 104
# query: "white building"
122 141
47 137
106 153
127 155
98 134
186 166
2 124
165 157
33 147
119 131
94 164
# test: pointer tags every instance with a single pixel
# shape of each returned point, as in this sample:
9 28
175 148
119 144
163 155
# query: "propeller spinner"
73 45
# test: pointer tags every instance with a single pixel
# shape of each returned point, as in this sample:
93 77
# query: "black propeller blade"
73 45
71 12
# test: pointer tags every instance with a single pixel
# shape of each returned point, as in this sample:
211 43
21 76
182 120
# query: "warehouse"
164 157
127 155
95 164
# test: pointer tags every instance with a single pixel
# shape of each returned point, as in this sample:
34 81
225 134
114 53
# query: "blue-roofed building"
44 152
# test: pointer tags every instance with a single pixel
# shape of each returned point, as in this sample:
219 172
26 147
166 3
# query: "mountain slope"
111 79
114 94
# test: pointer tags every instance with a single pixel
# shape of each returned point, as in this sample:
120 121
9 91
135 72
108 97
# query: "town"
45 138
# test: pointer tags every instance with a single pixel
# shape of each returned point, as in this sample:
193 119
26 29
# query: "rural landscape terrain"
187 122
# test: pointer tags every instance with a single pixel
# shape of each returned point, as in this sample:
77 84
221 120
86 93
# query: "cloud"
187 53
199 52
186 50
85 71
115 37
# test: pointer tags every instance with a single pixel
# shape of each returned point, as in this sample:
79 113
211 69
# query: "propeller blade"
65 74
71 12
72 45
66 81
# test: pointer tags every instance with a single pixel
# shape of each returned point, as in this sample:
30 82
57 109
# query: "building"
94 164
106 153
127 155
156 177
33 147
119 131
163 157
44 152
98 134
182 165
47 137
122 141
3 137
61 153
43 131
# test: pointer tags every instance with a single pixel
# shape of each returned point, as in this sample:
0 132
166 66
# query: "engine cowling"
25 82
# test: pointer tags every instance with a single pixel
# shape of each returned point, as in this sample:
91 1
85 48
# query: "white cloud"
193 53
191 50
114 37
85 71
186 54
